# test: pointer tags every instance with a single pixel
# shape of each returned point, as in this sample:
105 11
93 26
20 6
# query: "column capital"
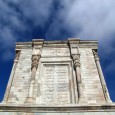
76 59
35 60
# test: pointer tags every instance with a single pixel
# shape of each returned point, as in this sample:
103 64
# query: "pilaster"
74 48
37 48
105 91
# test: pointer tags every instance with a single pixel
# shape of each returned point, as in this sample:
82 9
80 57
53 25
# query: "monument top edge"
71 40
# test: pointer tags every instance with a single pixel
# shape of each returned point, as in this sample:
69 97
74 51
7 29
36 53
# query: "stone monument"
57 78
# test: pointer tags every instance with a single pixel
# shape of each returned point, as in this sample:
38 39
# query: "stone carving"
56 84
76 58
35 60
37 48
62 73
76 61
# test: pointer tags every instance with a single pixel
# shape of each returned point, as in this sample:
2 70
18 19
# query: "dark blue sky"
24 20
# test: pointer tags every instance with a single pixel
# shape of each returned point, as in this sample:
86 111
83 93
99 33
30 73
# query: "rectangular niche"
55 83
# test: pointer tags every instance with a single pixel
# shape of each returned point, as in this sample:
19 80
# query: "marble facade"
58 77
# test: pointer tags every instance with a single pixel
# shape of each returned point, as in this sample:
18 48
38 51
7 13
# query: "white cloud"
14 15
94 18
37 11
87 19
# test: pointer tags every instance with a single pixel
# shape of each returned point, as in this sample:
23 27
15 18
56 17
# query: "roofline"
82 43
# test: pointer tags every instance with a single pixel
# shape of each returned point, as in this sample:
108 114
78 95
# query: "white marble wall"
91 85
92 88
20 83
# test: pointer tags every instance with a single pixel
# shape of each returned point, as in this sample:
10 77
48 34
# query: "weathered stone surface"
57 76
55 84
81 113
93 92
20 83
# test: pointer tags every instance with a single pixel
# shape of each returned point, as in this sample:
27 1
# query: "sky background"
24 20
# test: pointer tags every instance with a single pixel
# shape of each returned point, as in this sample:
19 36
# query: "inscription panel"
55 84
55 52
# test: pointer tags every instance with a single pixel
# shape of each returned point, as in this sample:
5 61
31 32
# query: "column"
37 49
74 51
34 66
105 91
76 60
11 77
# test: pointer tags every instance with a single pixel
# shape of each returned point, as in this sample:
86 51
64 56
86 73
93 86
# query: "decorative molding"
57 108
37 47
82 43
76 60
35 60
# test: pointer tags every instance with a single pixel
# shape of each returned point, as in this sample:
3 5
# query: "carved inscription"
56 84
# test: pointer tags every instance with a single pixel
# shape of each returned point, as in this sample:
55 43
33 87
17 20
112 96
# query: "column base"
29 100
81 100
109 101
3 102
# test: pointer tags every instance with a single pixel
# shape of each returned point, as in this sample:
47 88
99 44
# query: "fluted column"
11 77
76 60
105 90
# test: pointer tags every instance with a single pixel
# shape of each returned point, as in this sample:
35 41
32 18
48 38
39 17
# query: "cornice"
82 43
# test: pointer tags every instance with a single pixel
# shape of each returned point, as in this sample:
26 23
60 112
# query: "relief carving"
56 84
35 60
76 59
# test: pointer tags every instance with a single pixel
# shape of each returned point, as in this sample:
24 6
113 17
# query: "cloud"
94 19
18 18
91 19
23 20
37 11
